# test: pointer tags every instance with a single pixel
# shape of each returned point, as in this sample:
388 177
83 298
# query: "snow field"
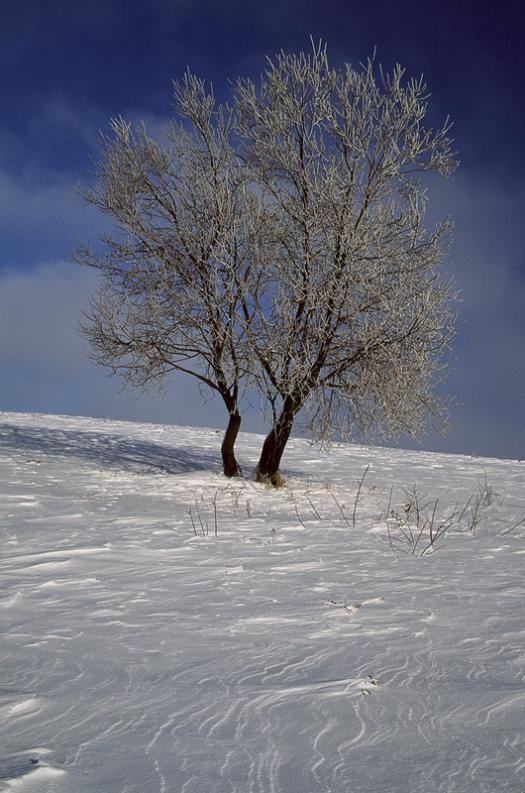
167 630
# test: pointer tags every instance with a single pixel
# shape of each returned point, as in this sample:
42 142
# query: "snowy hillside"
167 631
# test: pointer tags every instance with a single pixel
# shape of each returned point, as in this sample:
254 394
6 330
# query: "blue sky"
67 68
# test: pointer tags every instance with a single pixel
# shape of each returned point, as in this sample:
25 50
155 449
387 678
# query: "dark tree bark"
229 463
274 445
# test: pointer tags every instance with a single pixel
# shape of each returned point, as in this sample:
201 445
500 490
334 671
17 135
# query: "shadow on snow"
109 451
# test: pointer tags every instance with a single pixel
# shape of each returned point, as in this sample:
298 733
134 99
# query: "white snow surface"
293 652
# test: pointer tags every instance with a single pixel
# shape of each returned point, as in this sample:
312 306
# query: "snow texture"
165 630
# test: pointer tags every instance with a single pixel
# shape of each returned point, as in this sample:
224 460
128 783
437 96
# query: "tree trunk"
229 462
274 445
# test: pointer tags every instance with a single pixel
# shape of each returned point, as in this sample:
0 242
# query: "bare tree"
173 268
281 244
353 319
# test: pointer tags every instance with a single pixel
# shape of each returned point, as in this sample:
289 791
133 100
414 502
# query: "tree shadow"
109 450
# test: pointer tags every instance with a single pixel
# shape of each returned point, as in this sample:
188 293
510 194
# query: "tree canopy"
279 244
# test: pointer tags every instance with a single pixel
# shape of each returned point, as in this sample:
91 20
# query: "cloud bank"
44 360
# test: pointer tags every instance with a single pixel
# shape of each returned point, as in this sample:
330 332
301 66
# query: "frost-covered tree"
280 244
173 267
353 318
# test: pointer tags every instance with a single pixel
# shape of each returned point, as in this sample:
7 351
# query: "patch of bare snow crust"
166 630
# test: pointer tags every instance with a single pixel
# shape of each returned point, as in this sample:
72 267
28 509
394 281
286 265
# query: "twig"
507 531
215 514
408 537
204 533
432 522
299 517
389 502
359 486
341 510
392 539
474 514
442 528
465 509
315 513
192 521
419 536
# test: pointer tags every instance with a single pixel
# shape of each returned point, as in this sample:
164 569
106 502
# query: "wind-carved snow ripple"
308 659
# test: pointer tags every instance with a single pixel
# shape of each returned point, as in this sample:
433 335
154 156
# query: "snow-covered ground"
165 630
